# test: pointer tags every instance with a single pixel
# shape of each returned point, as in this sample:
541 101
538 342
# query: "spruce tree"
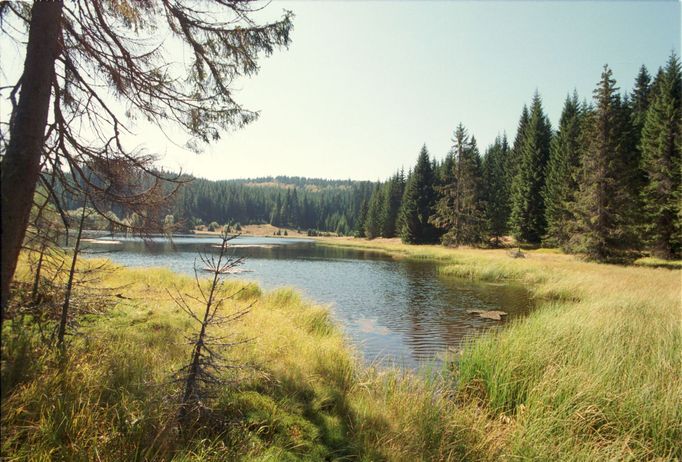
375 213
661 147
633 177
527 220
446 169
417 204
512 163
395 189
495 190
459 210
603 197
362 218
294 210
561 177
640 98
275 216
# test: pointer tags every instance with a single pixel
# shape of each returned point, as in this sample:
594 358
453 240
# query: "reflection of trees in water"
424 311
436 307
427 316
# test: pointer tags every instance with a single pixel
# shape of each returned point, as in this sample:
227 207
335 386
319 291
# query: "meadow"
592 374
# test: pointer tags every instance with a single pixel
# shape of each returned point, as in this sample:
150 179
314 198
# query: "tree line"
311 204
288 202
605 183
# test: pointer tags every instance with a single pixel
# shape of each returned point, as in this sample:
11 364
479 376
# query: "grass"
302 396
659 263
592 374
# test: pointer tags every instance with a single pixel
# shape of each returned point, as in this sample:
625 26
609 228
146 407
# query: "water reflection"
396 311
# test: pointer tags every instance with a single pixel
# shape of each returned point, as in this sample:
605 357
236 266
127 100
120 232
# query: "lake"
399 312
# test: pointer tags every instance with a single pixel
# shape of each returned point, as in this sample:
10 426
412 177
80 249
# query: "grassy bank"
592 374
301 396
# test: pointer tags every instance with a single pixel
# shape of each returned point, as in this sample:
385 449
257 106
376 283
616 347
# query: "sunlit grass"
659 263
592 374
301 395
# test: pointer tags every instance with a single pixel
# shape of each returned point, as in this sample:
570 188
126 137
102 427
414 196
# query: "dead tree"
69 282
83 55
208 362
42 238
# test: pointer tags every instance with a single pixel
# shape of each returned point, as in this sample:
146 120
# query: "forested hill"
289 182
605 182
296 202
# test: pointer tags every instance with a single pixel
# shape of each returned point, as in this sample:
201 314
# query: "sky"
365 84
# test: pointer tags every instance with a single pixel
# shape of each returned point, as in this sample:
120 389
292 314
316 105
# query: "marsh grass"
304 395
592 374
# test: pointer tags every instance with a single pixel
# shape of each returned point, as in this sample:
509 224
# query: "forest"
483 264
605 183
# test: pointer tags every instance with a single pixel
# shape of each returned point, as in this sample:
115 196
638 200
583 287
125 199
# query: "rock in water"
492 314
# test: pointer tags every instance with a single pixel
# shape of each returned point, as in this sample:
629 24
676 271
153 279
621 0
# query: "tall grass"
592 374
302 395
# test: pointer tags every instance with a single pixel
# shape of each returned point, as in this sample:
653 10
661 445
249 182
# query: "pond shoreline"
395 312
600 332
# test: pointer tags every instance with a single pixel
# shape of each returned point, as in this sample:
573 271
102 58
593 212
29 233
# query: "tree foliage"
459 210
417 204
561 181
93 67
496 189
602 201
527 220
661 146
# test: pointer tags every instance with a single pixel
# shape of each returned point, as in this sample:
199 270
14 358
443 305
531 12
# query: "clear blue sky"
365 84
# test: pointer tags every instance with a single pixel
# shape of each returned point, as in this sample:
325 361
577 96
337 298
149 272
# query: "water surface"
395 311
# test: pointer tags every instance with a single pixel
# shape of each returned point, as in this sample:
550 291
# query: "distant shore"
257 230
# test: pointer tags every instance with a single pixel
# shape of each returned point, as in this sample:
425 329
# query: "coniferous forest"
513 294
604 182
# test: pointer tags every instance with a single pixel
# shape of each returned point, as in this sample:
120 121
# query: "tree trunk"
21 163
72 272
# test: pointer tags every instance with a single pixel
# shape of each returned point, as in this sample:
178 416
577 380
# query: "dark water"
394 311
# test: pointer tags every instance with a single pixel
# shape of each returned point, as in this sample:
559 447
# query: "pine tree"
633 177
640 98
527 220
653 89
417 204
362 218
375 213
495 192
445 170
275 216
285 212
395 189
562 170
603 199
661 147
459 210
511 167
294 210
